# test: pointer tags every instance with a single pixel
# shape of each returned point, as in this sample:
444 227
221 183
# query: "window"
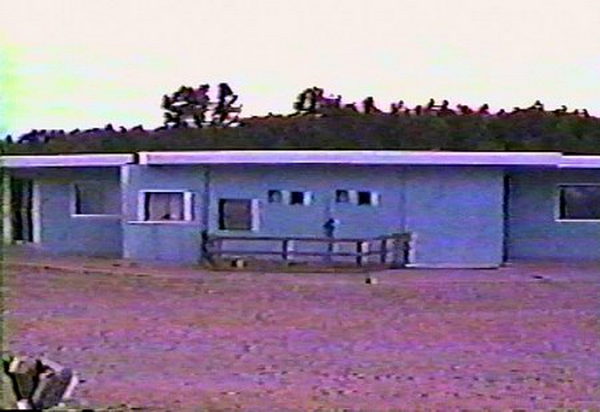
365 198
96 198
238 214
360 198
286 197
342 196
579 202
296 198
275 196
165 206
300 198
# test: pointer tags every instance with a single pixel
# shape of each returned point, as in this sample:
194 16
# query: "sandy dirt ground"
417 340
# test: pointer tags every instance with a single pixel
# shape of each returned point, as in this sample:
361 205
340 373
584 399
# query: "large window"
238 214
96 198
579 202
166 206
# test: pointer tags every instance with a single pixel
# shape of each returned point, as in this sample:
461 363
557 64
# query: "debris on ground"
38 383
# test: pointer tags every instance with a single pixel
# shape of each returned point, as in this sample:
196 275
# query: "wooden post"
396 252
285 249
400 250
361 249
405 250
383 251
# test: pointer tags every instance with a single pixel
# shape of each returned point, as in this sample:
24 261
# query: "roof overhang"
357 157
75 160
580 162
351 157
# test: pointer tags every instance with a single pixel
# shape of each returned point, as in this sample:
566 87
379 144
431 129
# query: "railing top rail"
402 236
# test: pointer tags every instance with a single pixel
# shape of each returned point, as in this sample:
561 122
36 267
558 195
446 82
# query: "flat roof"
578 162
351 157
67 160
358 157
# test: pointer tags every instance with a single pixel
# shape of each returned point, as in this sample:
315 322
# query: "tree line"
321 122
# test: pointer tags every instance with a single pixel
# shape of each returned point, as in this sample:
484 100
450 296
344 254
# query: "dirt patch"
416 339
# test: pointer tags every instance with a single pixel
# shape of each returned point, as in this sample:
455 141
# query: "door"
22 216
505 218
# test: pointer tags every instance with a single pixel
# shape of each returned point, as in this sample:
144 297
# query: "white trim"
255 215
307 199
557 217
188 204
375 199
188 212
36 212
575 162
368 157
353 197
285 197
7 227
71 160
381 157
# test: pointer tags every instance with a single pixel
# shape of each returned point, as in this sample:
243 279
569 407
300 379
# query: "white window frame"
557 217
254 215
375 198
188 204
73 204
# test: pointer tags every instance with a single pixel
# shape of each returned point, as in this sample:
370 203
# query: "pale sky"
85 63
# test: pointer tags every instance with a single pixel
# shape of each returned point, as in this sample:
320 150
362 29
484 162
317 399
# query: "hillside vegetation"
344 129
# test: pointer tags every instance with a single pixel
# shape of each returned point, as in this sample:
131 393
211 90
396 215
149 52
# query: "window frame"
73 202
557 204
188 206
374 198
254 215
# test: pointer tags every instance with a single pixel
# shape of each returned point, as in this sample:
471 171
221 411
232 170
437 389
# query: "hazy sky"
84 63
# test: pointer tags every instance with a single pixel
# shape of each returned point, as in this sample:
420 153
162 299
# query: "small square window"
96 198
364 198
342 196
275 196
296 198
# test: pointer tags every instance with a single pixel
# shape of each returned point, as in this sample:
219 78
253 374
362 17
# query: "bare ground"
419 339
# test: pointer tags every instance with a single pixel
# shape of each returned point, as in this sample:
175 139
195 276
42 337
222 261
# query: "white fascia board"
75 160
365 157
577 162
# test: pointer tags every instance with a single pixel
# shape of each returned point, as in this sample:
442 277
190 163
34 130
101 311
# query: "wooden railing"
397 245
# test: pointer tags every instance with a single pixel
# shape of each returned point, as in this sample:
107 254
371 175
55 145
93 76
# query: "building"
464 209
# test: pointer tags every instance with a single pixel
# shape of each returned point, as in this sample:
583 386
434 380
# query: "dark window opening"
296 198
364 198
342 196
579 202
275 196
235 214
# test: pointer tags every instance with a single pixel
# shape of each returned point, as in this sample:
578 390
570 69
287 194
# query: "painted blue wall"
456 214
533 230
165 241
239 181
63 233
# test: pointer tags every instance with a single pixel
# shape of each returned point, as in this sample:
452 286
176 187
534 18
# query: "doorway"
506 218
23 206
